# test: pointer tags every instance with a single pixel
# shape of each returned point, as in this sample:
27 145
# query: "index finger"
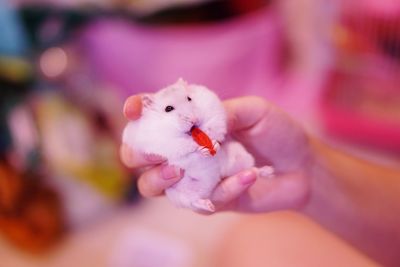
133 107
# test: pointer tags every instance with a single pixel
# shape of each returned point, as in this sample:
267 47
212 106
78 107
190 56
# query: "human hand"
268 133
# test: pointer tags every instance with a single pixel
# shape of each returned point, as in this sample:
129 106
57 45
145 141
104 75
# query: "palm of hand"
274 139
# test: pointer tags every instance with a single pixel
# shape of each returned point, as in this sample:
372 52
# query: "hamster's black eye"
169 108
189 99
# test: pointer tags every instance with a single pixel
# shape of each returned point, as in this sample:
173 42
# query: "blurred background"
66 67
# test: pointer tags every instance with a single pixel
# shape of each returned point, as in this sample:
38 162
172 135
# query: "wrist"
320 180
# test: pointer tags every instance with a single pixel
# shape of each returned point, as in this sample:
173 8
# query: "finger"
134 159
245 112
154 181
133 107
232 187
283 191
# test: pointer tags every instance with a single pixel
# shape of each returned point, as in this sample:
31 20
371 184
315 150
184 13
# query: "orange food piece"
202 139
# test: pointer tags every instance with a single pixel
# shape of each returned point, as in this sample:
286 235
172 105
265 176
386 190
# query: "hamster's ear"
182 82
147 101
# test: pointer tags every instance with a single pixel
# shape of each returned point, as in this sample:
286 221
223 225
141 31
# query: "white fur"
167 134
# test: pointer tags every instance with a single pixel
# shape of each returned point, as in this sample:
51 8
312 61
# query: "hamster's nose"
194 121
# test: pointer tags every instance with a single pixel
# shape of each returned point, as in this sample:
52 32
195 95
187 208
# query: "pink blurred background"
66 68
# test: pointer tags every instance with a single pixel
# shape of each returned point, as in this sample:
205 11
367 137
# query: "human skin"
357 200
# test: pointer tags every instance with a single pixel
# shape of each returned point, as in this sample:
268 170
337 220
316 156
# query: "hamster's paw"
216 145
204 205
204 151
266 172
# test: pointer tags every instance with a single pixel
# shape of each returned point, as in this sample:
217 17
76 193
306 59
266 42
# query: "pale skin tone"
357 200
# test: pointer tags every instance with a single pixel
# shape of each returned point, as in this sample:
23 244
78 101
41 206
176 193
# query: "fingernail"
169 172
247 177
153 157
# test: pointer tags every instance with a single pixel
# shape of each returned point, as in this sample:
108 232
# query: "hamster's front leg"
216 145
234 158
207 151
204 151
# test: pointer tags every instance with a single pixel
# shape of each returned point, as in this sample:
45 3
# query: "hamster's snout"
192 121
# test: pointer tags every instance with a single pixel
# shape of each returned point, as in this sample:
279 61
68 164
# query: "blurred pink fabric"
234 57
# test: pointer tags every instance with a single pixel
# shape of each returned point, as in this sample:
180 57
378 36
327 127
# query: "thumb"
245 112
268 132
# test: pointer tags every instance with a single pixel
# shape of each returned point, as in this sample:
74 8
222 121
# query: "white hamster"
165 129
